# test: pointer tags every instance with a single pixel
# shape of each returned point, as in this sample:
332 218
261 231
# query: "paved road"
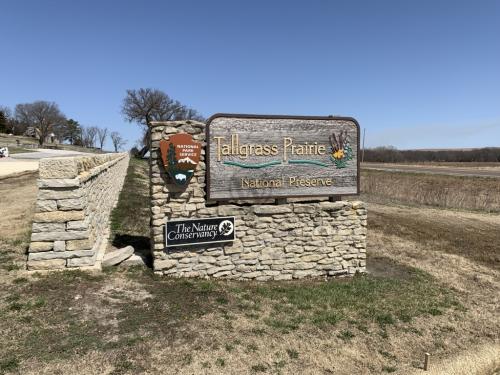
9 166
443 170
43 153
28 161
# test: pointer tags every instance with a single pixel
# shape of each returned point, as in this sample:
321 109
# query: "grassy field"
446 164
465 193
7 139
423 293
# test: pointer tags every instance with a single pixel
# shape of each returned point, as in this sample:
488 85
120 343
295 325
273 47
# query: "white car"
4 152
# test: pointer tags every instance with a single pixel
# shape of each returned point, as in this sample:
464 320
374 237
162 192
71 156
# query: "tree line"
42 119
393 155
143 106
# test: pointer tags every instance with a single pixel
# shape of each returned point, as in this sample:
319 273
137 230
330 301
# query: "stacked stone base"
278 242
75 198
273 242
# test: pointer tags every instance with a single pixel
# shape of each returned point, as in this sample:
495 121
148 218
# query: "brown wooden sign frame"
284 117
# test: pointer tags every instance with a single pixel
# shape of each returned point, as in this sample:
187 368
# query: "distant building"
31 131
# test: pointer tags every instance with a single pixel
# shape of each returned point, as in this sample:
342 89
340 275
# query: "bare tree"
117 140
6 111
186 113
146 105
93 135
42 115
102 134
89 135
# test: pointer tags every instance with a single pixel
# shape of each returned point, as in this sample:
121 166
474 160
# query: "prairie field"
432 285
434 190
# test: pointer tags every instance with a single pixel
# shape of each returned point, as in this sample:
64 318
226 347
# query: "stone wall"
273 241
75 198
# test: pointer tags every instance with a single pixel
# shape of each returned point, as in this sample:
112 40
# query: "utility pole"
363 152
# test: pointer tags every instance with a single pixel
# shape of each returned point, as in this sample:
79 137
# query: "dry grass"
6 139
481 359
476 350
477 165
466 193
470 235
17 202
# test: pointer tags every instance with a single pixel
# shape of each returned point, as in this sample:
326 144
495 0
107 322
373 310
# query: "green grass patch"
8 364
389 369
292 353
42 319
260 367
221 362
345 335
130 217
362 299
387 355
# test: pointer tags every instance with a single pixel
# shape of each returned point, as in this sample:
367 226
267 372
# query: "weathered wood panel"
278 156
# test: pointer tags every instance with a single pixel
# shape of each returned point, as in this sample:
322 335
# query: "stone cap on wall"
69 168
172 127
176 122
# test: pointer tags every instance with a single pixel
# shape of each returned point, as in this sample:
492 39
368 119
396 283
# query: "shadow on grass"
140 244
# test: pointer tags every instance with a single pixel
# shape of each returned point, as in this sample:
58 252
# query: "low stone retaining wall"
273 242
75 198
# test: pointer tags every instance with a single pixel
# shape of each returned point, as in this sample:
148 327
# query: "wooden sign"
180 155
252 156
199 231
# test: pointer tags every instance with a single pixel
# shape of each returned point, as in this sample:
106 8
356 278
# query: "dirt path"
9 166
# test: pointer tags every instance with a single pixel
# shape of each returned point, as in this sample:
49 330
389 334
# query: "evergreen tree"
71 131
3 122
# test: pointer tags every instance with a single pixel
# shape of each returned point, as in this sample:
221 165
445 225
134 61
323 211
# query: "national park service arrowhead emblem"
180 155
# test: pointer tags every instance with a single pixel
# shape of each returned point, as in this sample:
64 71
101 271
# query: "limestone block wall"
75 198
273 242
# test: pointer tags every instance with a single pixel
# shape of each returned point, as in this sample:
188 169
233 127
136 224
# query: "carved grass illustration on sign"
341 151
180 156
252 156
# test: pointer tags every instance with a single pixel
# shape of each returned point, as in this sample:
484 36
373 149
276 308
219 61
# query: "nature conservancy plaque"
199 231
251 156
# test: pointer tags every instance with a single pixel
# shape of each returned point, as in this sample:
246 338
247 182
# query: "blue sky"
415 74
